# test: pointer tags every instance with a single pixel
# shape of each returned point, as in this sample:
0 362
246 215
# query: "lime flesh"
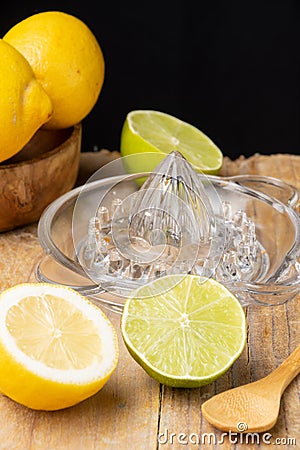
146 131
183 330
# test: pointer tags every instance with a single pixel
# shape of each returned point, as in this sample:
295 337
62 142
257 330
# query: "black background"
231 68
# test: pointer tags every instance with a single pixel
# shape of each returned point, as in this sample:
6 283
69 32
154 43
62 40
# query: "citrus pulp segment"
147 131
56 348
183 330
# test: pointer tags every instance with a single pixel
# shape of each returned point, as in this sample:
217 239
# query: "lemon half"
56 348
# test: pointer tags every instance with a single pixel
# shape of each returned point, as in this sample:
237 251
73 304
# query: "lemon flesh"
147 131
24 104
56 348
67 60
183 330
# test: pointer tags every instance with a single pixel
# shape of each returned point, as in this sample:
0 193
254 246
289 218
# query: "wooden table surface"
133 411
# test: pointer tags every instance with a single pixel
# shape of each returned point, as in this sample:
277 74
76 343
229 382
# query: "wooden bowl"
44 169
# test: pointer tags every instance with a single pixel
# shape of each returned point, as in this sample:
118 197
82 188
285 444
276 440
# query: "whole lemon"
24 104
67 60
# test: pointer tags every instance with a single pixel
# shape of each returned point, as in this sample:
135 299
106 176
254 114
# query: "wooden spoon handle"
287 370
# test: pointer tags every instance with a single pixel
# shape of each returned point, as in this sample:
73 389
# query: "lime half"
156 132
185 331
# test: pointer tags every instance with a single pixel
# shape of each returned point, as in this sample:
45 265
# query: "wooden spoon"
253 407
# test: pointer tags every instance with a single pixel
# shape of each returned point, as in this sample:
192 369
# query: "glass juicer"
114 234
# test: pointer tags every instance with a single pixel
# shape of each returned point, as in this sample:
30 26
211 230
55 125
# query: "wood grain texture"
255 404
132 409
44 169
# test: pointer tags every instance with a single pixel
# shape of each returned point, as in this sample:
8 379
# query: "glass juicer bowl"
115 233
